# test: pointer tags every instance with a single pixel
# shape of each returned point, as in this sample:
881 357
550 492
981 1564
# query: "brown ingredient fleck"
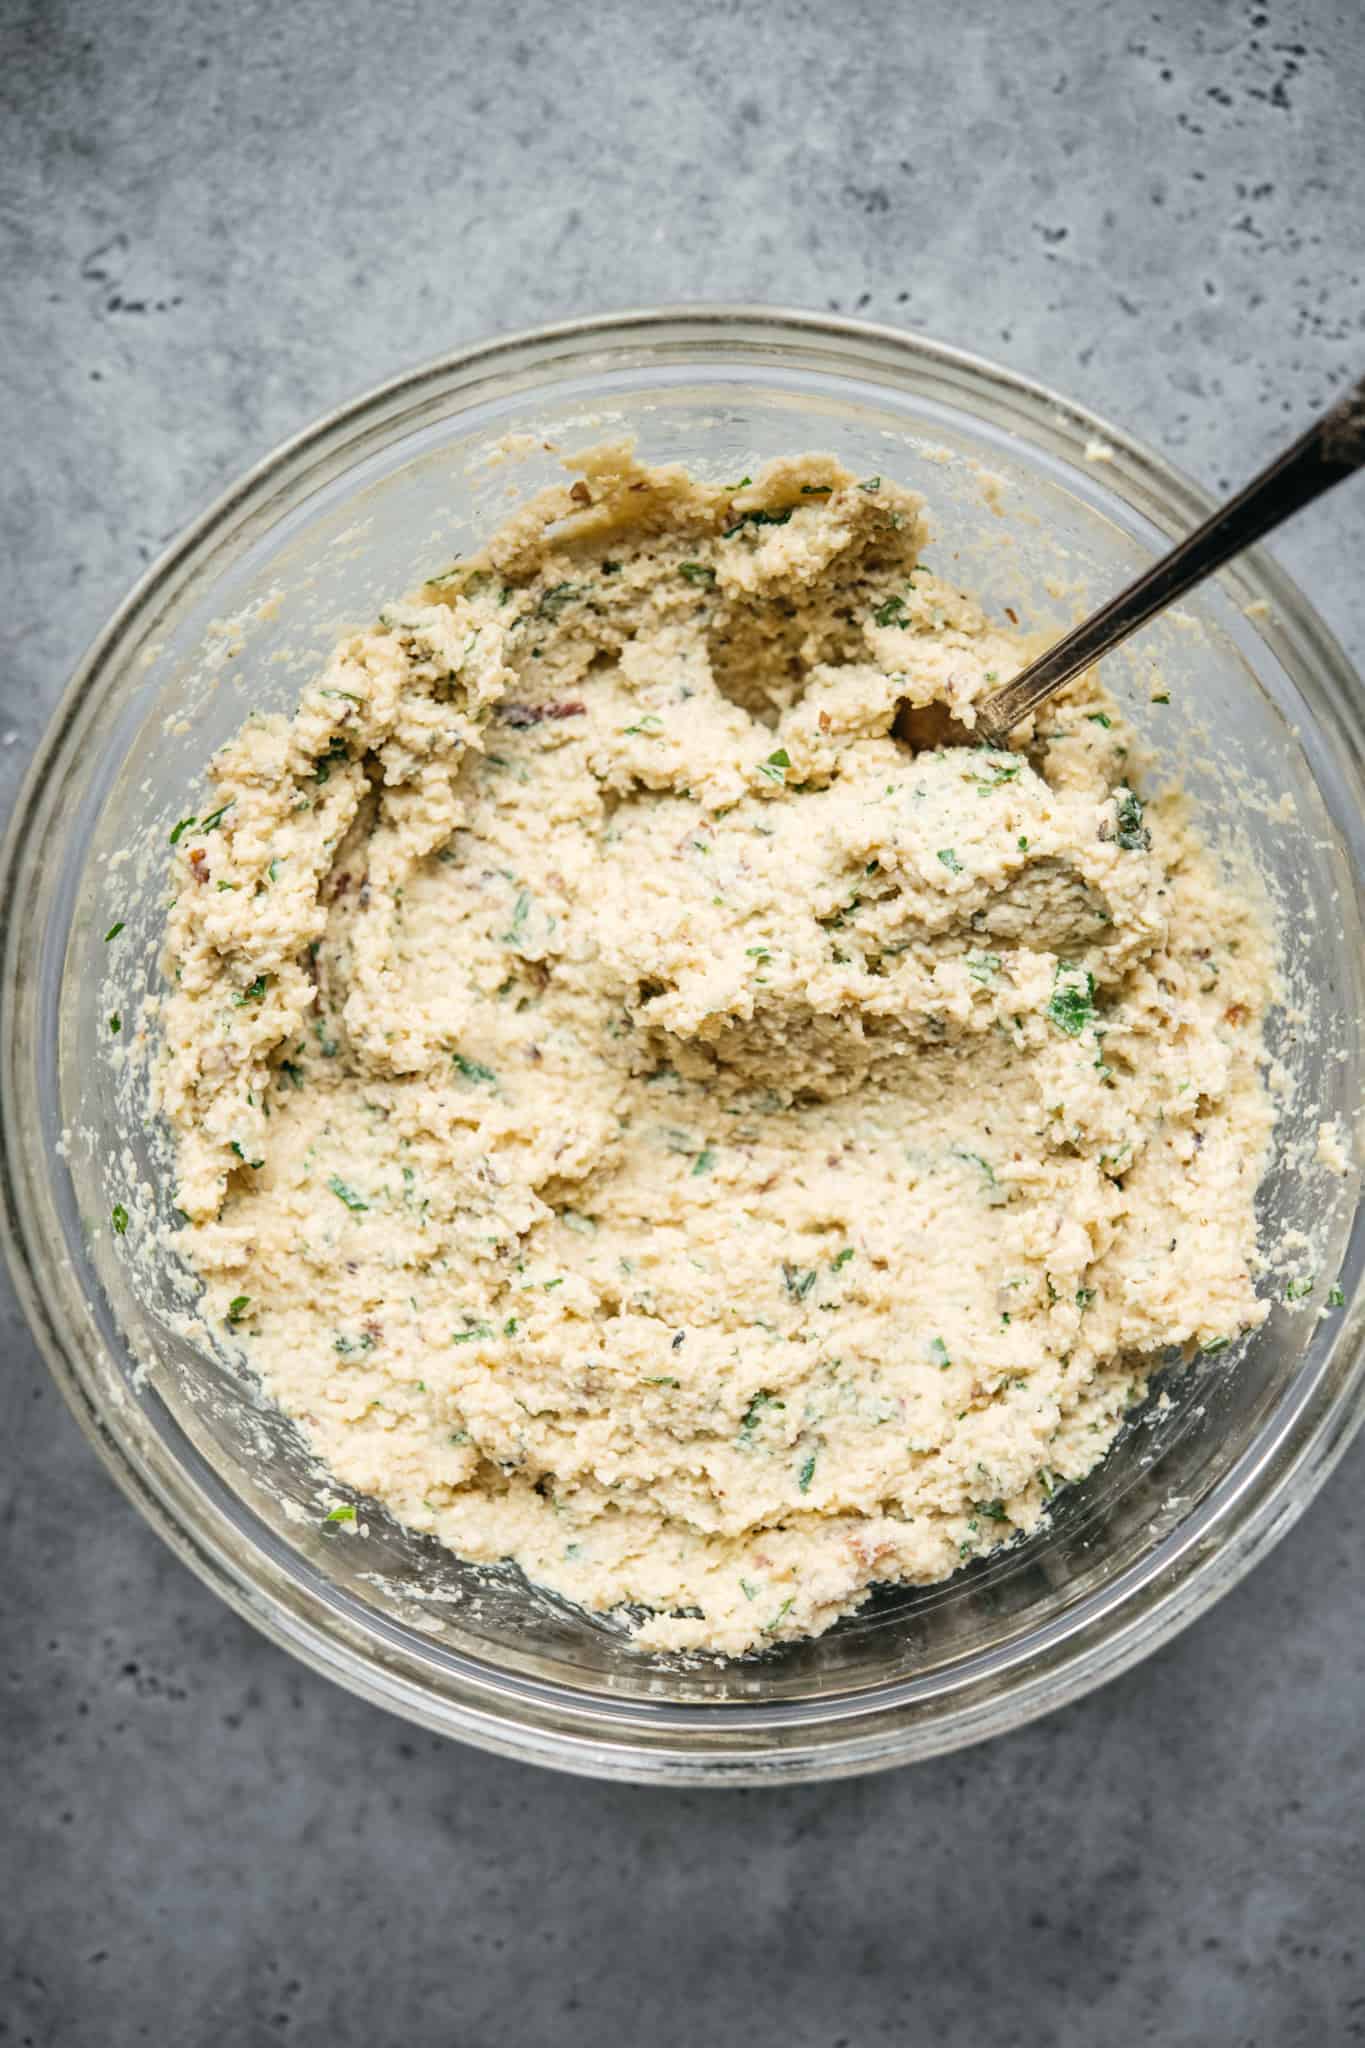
522 716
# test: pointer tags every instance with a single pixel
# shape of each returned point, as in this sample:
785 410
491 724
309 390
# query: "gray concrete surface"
215 220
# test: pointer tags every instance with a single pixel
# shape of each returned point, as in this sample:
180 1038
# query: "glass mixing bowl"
1036 505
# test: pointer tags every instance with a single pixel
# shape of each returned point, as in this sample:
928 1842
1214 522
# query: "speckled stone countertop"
216 221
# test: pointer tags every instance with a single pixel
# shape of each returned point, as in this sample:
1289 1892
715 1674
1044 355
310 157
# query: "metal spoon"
1333 448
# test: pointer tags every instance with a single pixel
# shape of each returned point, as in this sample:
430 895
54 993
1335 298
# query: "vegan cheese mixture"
657 1102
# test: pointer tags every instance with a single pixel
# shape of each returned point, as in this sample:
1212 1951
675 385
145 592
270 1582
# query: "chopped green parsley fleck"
753 1415
1072 1003
473 1070
1132 834
553 601
796 1281
760 517
771 1627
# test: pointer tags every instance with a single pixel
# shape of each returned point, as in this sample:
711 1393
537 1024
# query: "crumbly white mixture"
656 1102
1331 1151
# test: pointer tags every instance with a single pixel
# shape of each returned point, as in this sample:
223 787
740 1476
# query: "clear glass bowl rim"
902 1720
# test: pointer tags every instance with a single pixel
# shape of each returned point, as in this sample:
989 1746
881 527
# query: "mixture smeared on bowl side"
657 1103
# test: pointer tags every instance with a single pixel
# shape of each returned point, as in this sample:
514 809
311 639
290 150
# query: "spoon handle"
1332 448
